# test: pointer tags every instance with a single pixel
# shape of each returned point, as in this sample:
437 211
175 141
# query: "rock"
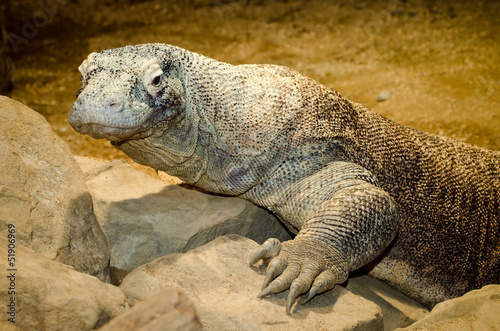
384 95
53 296
145 218
169 307
398 310
475 310
224 290
43 193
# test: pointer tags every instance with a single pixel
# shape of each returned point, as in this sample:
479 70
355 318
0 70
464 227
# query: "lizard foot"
301 265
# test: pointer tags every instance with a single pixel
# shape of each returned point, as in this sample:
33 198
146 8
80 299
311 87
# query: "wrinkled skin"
356 188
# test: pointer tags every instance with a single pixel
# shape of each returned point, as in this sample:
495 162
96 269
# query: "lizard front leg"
344 219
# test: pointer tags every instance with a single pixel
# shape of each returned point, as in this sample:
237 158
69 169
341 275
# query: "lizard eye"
152 77
156 81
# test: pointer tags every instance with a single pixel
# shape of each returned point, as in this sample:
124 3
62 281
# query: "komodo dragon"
420 211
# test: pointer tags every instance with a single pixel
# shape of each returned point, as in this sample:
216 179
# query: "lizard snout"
113 104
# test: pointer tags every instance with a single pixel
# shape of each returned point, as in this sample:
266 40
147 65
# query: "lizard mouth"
113 134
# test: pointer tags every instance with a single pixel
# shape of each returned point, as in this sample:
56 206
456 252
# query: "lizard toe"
324 282
281 283
275 268
269 250
299 286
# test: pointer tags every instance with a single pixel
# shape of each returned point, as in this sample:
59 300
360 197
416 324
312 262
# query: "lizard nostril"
116 106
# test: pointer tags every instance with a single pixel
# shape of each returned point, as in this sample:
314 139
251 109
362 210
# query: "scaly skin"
419 211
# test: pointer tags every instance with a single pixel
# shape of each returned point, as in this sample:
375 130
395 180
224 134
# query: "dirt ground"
439 63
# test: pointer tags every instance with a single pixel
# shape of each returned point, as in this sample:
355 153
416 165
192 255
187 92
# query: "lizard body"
418 210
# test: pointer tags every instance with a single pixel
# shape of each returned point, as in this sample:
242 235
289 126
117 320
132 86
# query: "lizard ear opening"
152 77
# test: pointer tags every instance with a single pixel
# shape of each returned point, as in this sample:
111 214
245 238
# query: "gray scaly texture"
418 210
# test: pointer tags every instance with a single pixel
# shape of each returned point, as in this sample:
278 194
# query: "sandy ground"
439 63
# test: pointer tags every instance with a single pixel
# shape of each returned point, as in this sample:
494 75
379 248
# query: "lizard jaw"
113 134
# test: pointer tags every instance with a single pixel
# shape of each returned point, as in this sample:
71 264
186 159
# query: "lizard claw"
324 282
279 284
269 250
274 268
301 284
295 290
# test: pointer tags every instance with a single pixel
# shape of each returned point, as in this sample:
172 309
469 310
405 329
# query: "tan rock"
398 310
49 295
476 310
43 193
145 218
168 309
224 290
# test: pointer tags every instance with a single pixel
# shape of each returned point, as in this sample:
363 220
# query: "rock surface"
43 193
476 310
398 310
52 296
145 218
169 308
224 289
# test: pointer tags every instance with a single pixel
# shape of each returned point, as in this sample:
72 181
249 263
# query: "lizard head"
127 93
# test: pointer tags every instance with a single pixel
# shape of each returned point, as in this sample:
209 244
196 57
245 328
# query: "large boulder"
40 294
224 289
43 193
145 217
